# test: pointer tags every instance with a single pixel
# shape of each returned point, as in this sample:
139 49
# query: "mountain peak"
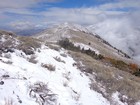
64 30
72 26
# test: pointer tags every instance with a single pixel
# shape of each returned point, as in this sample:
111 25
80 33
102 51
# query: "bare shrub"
67 44
27 50
110 79
65 84
7 46
59 59
63 55
88 70
133 67
28 45
2 32
9 102
67 75
7 55
75 95
5 76
7 62
50 67
19 100
42 94
57 48
32 59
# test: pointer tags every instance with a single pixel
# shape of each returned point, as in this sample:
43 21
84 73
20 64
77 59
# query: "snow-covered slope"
26 83
72 26
79 34
43 73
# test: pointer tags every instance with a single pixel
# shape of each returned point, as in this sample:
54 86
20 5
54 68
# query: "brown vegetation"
59 59
32 59
65 43
108 79
28 45
121 65
48 66
43 95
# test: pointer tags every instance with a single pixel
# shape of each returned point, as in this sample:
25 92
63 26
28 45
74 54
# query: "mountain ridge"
41 71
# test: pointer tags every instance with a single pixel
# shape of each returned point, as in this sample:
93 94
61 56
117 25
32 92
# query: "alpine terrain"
66 65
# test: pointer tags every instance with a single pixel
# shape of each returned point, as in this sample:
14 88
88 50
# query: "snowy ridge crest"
72 26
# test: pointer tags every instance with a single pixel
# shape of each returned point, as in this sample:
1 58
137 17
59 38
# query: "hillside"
81 36
48 69
126 38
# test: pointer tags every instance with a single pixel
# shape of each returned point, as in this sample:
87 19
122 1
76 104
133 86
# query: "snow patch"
72 26
138 103
86 47
116 99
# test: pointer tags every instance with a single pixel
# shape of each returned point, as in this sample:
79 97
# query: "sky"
25 14
117 21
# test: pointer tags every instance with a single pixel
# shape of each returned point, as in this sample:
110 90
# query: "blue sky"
71 4
22 14
78 3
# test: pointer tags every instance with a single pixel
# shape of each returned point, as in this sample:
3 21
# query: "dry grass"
8 45
63 55
28 45
55 47
43 95
7 62
65 84
67 76
9 102
50 67
32 59
111 78
2 32
98 44
59 59
6 55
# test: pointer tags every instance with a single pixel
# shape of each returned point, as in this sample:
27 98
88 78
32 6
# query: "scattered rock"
24 78
1 82
5 76
20 101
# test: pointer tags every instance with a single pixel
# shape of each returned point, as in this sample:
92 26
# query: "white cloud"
22 7
78 15
121 4
123 33
16 3
22 3
21 25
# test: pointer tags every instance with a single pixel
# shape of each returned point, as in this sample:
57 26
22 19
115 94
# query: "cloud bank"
118 22
30 10
122 33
